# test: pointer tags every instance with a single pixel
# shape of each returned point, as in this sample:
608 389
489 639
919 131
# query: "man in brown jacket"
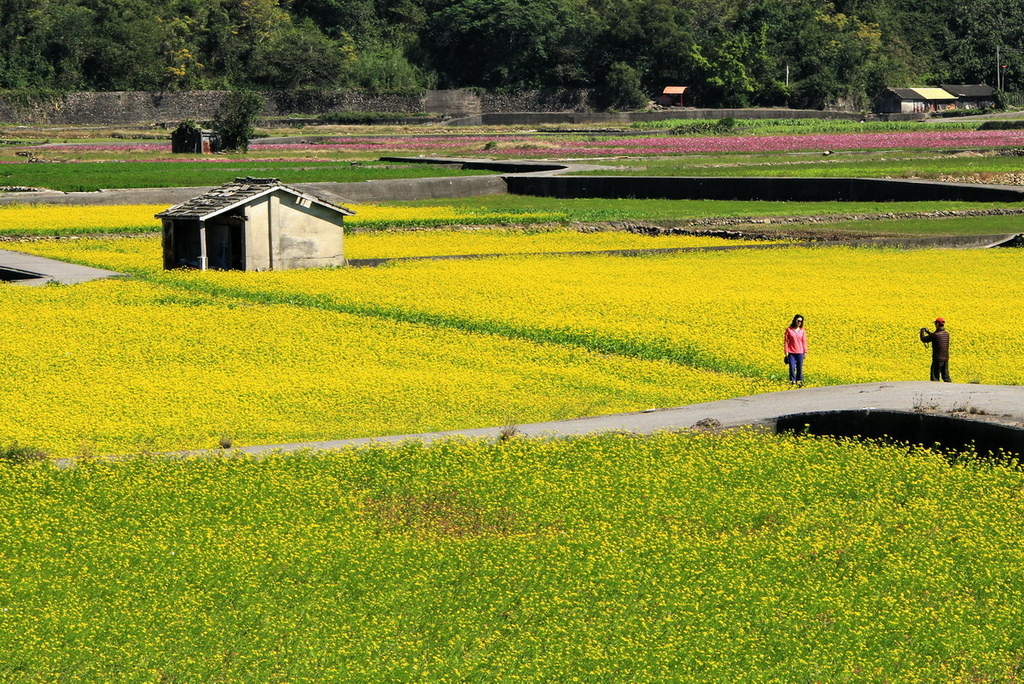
940 350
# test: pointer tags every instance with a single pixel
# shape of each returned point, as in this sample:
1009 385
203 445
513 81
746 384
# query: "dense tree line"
804 53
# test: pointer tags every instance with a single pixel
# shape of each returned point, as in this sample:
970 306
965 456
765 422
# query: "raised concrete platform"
761 188
1000 404
28 269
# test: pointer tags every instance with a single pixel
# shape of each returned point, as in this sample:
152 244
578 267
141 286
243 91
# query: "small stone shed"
187 140
254 224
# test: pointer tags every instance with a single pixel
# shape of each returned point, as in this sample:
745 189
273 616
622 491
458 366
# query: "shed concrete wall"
285 232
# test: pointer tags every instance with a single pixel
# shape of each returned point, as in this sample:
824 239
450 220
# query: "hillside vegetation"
805 53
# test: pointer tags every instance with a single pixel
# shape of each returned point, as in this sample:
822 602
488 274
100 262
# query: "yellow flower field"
56 219
40 219
119 366
382 216
656 328
739 557
863 307
441 242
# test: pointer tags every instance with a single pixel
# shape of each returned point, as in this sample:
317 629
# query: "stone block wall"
566 100
115 108
134 108
142 108
315 103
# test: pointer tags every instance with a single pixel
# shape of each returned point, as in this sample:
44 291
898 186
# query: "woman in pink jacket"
794 343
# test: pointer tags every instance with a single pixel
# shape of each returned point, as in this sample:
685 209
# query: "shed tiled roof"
971 90
905 93
674 90
235 194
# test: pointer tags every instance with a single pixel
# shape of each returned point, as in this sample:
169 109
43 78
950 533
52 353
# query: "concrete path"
991 403
27 269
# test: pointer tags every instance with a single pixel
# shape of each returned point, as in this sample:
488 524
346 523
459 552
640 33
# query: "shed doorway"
225 244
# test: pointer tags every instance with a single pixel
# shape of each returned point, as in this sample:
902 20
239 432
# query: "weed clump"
16 452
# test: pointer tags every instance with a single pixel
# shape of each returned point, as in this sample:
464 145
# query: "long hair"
793 324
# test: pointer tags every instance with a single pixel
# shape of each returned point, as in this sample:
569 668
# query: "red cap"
941 320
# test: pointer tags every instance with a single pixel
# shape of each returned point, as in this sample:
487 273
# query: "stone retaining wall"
536 107
576 100
136 107
284 103
113 108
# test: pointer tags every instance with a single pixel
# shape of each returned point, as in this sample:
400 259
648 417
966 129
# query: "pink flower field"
531 146
666 144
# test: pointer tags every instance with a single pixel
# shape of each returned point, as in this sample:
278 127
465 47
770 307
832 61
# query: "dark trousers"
940 371
796 367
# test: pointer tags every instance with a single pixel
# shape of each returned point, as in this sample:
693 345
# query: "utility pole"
1000 67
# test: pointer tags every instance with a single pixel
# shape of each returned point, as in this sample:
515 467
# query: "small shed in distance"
254 224
672 96
194 140
914 100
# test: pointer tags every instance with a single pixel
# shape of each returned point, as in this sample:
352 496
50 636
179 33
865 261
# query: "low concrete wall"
500 166
760 188
462 102
530 118
409 189
926 429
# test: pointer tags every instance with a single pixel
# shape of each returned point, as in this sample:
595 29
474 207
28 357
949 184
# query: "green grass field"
589 210
91 176
854 164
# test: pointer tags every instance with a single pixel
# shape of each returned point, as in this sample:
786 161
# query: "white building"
254 224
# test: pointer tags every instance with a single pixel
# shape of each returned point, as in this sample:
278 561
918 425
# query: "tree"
297 57
508 44
236 117
622 88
